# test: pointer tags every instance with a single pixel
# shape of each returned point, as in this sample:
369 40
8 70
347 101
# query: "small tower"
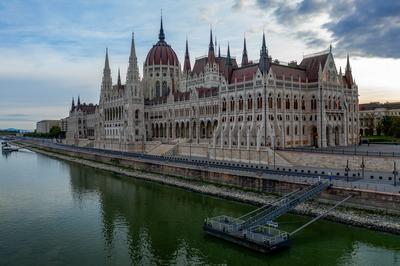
245 59
186 65
228 65
211 54
106 83
348 74
73 104
264 64
119 84
79 101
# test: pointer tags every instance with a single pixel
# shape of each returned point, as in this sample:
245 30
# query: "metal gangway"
266 214
256 229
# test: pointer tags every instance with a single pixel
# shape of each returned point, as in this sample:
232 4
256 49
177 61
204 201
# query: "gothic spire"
348 68
73 104
245 59
79 100
219 50
228 57
106 63
133 71
161 35
264 58
106 83
348 74
186 64
119 84
211 54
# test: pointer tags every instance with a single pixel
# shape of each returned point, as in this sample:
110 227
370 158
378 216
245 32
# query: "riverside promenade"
253 184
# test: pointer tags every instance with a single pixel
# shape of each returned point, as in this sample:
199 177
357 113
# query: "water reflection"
163 226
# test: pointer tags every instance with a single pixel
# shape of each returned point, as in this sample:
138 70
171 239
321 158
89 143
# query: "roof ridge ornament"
161 35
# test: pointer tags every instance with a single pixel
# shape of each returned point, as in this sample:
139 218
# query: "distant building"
372 113
64 126
80 123
44 126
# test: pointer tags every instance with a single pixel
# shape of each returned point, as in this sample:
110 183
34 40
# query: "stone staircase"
162 149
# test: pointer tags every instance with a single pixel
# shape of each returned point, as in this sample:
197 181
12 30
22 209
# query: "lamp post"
395 173
362 167
347 169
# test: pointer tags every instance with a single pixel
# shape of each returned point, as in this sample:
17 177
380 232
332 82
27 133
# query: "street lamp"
362 166
395 173
347 169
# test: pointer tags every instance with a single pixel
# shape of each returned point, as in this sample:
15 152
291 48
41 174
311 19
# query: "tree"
55 132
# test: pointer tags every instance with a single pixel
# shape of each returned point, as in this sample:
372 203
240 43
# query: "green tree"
54 132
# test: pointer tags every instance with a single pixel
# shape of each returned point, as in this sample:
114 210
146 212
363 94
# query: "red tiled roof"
200 63
311 64
244 73
161 54
289 71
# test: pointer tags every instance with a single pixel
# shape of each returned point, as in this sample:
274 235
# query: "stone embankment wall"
243 180
247 188
339 161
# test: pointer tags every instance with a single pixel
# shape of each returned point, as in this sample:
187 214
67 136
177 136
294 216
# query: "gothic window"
232 104
157 88
295 130
303 103
270 104
279 102
164 88
137 114
287 102
249 102
241 103
259 101
295 104
223 105
287 130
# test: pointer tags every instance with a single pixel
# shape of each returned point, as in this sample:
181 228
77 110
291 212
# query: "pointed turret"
161 35
186 65
219 50
348 74
79 101
106 83
211 54
133 71
119 84
264 58
245 59
228 65
73 104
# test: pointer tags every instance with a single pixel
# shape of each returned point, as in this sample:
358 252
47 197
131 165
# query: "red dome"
161 54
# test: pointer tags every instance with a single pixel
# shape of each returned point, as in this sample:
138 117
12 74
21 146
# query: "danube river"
58 213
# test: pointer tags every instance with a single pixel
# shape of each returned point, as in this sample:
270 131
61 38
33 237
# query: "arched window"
287 130
137 114
232 104
240 103
249 102
303 103
223 105
157 88
279 102
164 88
259 101
295 104
270 103
287 102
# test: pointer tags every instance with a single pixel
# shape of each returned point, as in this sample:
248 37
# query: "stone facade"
44 126
217 102
81 122
372 113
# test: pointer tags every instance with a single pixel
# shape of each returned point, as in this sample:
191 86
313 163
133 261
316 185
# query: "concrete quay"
371 209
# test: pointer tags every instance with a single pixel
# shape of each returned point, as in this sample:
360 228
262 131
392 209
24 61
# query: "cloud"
363 27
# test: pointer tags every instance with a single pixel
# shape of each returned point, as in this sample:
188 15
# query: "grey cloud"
363 27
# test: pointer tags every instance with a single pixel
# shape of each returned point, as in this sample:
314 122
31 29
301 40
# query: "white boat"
7 148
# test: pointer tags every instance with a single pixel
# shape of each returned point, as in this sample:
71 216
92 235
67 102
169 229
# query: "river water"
59 213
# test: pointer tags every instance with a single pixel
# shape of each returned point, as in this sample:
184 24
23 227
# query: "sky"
51 51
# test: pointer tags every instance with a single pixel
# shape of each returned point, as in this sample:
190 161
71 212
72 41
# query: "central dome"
161 53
